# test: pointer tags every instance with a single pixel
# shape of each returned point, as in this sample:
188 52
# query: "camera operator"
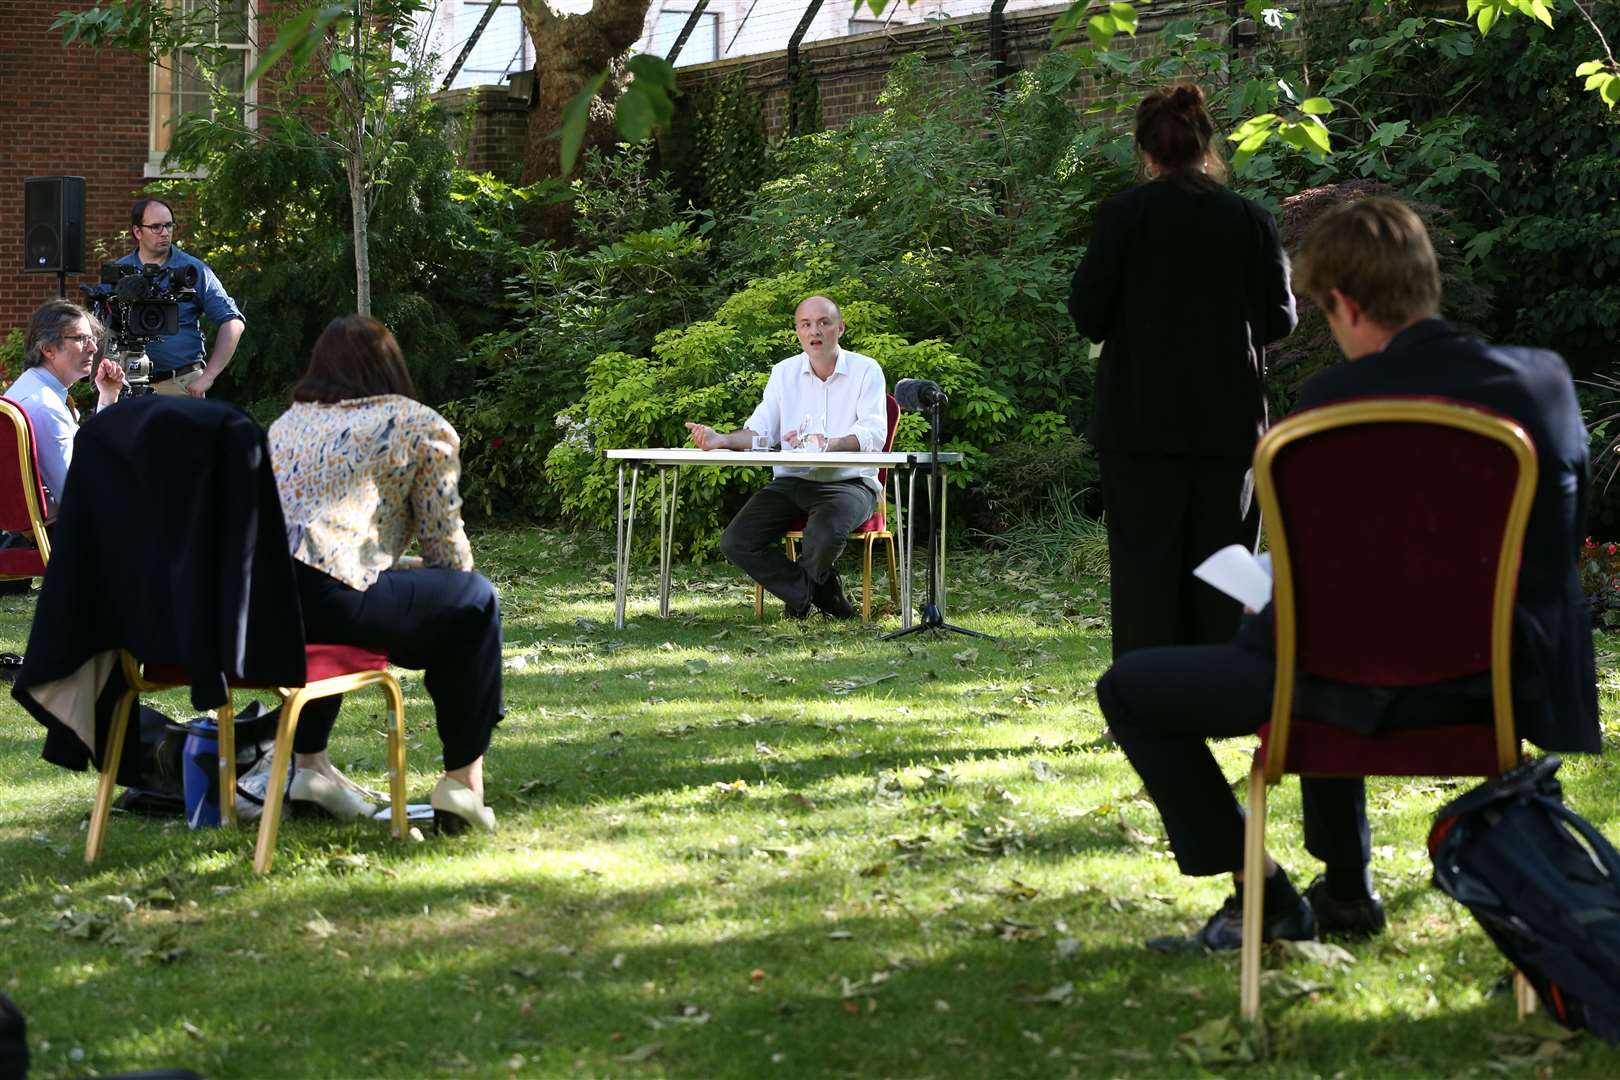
177 360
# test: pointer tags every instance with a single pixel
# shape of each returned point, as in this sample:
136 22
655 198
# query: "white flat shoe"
456 808
314 795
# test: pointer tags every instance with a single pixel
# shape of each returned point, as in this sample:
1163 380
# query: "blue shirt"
43 397
186 347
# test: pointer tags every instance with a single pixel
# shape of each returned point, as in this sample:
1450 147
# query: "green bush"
568 308
714 370
272 218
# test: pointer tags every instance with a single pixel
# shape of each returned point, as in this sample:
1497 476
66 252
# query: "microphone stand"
932 617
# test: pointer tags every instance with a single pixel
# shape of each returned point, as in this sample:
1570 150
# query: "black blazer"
1185 286
1553 666
171 544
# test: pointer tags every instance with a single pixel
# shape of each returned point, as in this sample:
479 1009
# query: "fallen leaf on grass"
1043 771
697 666
1058 995
1292 987
849 686
967 657
1325 953
1221 1041
641 1053
320 926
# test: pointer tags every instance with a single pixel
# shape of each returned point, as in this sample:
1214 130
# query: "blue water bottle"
199 774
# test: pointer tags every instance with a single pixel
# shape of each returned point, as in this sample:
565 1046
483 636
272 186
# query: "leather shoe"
1224 930
456 809
829 597
314 795
1359 918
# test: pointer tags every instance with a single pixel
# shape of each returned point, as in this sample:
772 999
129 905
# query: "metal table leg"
909 547
666 532
624 534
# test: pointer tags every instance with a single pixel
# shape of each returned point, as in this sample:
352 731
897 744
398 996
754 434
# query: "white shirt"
852 399
43 397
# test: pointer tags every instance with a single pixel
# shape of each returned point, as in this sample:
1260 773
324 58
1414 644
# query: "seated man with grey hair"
62 343
60 349
824 398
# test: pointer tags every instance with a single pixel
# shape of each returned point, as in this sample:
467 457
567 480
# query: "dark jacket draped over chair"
171 545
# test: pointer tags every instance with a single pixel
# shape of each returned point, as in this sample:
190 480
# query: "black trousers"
1166 515
1163 705
445 622
830 510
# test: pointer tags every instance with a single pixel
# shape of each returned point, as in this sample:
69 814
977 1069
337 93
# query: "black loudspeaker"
53 224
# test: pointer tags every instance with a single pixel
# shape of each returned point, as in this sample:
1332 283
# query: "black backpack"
1545 885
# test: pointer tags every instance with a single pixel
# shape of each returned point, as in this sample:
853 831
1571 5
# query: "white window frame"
684 14
154 166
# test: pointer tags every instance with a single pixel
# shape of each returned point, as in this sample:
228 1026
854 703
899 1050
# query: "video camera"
136 307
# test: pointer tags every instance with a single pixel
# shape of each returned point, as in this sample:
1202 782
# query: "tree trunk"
569 51
362 241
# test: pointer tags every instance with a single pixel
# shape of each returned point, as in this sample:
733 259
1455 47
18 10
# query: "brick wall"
492 128
67 111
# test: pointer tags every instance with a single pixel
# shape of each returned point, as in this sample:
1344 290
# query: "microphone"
915 395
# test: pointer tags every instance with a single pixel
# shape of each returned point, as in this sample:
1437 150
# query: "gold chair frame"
29 470
293 700
1270 770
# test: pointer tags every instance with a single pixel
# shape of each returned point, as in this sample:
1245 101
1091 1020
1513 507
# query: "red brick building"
65 111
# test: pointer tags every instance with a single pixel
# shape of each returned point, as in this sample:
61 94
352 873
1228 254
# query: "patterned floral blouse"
360 478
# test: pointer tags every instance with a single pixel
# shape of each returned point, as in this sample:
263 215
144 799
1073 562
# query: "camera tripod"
932 617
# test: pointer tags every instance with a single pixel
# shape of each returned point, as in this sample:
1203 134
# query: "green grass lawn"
731 849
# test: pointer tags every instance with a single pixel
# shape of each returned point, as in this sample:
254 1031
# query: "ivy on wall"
729 135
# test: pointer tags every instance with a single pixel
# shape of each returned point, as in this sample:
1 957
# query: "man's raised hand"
703 436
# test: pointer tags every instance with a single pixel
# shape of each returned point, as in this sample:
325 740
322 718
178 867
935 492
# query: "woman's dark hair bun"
1186 96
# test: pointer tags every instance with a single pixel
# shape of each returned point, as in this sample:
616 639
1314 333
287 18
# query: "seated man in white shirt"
63 340
823 398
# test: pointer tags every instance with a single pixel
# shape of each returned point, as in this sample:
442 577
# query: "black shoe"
796 612
829 597
1357 918
1224 930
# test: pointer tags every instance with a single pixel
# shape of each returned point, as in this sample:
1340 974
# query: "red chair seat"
22 562
1317 748
878 522
320 661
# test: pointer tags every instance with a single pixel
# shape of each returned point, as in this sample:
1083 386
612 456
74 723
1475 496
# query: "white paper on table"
1239 574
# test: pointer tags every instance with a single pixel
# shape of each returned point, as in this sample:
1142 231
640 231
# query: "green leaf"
634 114
574 116
1263 122
1611 91
341 62
1591 67
1318 136
298 38
1539 10
1316 106
1124 17
1100 29
1486 19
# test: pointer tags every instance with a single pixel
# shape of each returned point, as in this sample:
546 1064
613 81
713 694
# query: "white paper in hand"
1238 574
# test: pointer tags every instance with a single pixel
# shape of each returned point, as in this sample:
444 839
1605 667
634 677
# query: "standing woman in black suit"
1184 283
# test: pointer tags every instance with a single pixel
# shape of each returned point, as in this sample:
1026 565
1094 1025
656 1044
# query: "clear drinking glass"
761 442
813 434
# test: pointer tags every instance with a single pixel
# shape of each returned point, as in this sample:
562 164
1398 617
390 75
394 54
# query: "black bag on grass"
1545 885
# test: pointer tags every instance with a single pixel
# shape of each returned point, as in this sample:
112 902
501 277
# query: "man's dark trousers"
830 510
1163 705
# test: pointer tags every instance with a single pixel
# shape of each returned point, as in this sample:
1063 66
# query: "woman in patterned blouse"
363 468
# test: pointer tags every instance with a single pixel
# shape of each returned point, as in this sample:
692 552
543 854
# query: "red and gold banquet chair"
330 669
869 532
22 498
1396 527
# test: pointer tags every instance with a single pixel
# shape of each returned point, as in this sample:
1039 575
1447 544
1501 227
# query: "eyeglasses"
158 226
82 339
